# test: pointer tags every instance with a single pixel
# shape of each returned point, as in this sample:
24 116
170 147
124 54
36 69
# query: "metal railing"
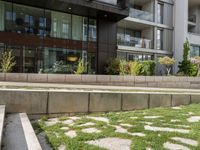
134 41
139 14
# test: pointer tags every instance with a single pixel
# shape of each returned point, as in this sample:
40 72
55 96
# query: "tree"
186 67
167 62
7 61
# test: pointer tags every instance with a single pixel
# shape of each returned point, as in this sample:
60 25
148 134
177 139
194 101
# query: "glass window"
195 51
77 27
61 25
58 60
26 19
92 30
160 13
159 39
2 11
9 15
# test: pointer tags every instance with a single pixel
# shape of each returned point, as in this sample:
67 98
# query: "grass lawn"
157 129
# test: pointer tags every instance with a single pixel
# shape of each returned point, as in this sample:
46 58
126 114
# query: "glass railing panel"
134 41
139 14
112 2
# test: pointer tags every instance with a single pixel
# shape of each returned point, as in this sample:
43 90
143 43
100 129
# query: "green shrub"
135 68
113 67
81 67
148 67
7 61
186 67
122 67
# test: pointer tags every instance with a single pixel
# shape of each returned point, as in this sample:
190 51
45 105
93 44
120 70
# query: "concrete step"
19 134
2 116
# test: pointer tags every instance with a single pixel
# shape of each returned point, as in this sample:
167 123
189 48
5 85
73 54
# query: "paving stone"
90 130
177 108
194 119
112 143
162 129
152 117
68 122
74 118
171 146
71 134
119 129
64 128
62 147
103 119
87 124
185 141
126 125
138 134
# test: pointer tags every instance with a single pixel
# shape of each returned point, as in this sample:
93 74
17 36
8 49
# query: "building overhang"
91 8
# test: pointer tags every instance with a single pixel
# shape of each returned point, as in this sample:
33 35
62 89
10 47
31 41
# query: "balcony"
142 15
112 2
134 41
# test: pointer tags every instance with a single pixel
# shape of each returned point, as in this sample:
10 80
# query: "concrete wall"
137 81
54 102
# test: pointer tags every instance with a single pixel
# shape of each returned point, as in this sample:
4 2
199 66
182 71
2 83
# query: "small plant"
186 67
113 67
135 68
148 67
122 67
81 67
196 61
167 62
7 61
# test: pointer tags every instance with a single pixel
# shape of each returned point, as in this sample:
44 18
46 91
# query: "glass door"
29 60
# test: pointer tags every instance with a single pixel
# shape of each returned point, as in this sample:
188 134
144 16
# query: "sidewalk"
50 86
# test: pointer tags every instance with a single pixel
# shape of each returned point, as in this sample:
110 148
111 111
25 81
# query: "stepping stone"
186 141
175 120
74 118
177 108
148 123
152 117
64 128
134 117
87 124
171 146
62 147
138 134
112 143
194 119
162 129
91 130
190 113
119 129
71 134
68 122
52 121
103 119
126 125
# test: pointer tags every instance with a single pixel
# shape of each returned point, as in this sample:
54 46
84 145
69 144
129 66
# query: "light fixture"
70 8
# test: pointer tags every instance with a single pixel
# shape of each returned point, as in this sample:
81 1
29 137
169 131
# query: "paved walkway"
50 86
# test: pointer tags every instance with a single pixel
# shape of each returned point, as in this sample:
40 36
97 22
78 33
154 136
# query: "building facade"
157 28
52 36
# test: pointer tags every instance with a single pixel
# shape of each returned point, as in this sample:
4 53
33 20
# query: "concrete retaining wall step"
2 116
19 134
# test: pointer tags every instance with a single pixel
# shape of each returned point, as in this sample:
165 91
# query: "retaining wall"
138 81
55 102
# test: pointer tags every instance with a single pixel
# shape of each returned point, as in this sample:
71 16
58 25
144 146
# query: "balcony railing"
112 2
139 14
134 41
